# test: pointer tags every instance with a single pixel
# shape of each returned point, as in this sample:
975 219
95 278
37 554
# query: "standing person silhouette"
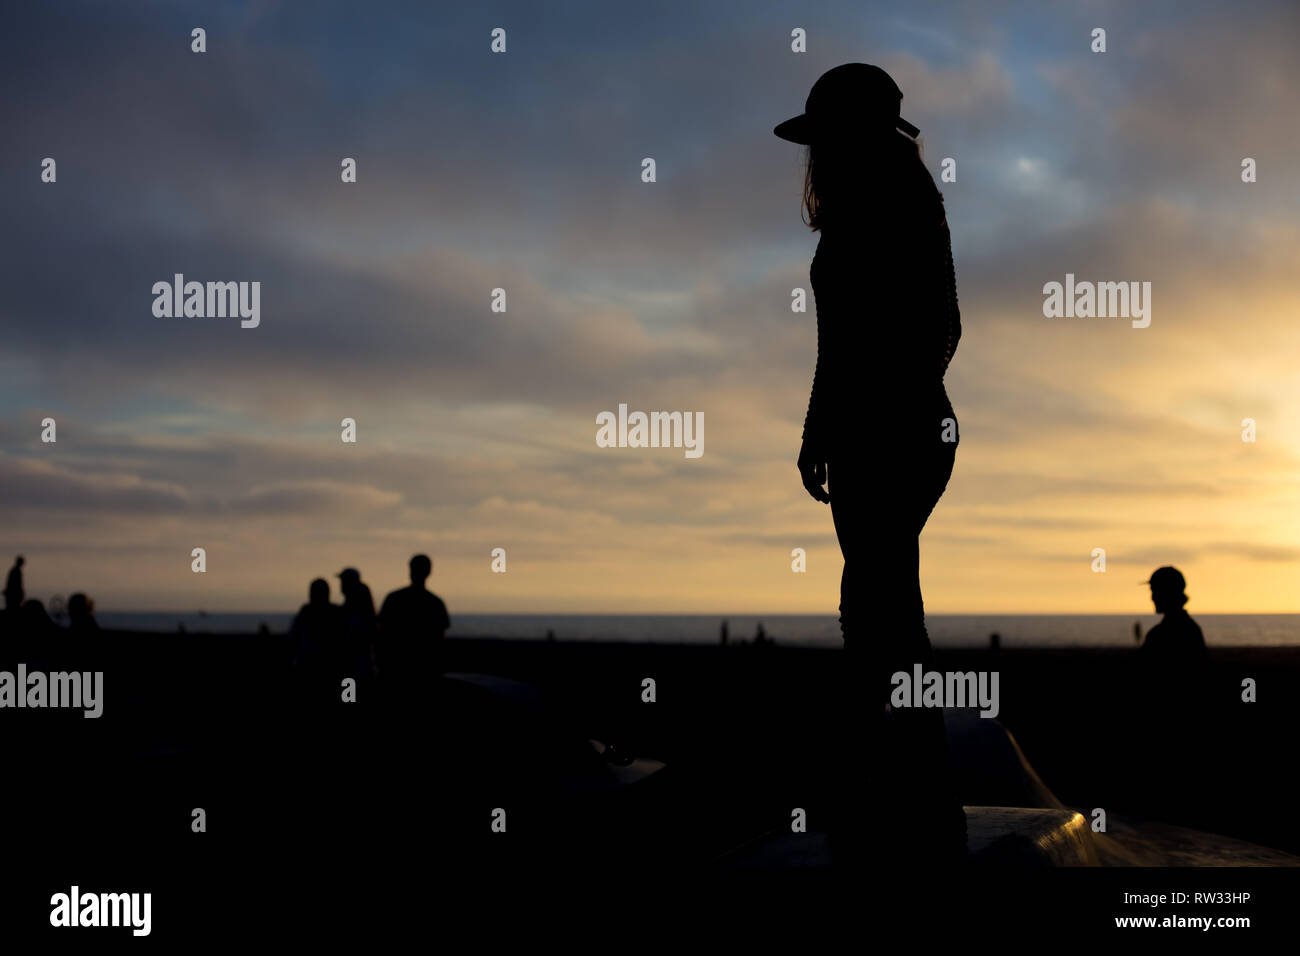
1173 656
321 659
81 615
1177 641
880 433
1174 702
14 586
413 623
359 624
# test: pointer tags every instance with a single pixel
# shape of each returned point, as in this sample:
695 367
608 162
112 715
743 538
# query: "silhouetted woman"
881 434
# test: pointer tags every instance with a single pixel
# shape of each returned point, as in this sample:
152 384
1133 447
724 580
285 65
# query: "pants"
880 502
894 788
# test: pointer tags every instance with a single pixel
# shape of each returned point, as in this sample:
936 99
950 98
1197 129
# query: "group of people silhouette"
400 645
33 634
32 615
332 642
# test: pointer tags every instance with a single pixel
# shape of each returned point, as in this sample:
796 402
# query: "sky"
522 170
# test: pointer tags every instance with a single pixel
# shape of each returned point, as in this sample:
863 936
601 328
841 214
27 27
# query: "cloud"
1254 551
522 172
315 498
41 485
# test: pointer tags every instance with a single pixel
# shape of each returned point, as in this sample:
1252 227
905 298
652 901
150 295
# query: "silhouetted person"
35 621
412 624
14 586
79 647
1176 643
1172 705
995 642
359 623
760 636
36 640
881 434
724 634
317 635
81 615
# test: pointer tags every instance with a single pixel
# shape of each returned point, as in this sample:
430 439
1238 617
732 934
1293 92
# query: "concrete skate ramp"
988 766
1020 837
1012 818
1028 837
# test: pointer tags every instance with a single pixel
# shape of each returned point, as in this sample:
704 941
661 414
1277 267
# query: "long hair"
879 182
858 174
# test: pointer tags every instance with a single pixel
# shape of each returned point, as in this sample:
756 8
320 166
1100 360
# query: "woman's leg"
899 797
931 806
879 610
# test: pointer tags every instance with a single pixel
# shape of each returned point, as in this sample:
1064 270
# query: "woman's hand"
812 469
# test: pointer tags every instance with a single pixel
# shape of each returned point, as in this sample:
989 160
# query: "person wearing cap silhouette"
1177 639
359 623
1174 704
880 434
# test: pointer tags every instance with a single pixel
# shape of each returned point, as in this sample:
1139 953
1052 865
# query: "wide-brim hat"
850 98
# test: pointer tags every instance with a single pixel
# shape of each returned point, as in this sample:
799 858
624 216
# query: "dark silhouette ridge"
874 435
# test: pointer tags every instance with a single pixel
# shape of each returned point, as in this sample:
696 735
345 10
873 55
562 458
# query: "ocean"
946 630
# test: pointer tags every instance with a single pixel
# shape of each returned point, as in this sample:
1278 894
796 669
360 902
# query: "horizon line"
773 614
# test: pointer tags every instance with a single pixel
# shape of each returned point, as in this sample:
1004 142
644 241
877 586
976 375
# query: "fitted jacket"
888 323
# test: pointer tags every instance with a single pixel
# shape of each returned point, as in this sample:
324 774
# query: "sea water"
946 630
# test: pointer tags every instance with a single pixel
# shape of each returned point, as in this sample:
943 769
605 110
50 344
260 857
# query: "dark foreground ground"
298 788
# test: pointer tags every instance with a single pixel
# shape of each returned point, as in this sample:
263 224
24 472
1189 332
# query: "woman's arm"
812 455
950 312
